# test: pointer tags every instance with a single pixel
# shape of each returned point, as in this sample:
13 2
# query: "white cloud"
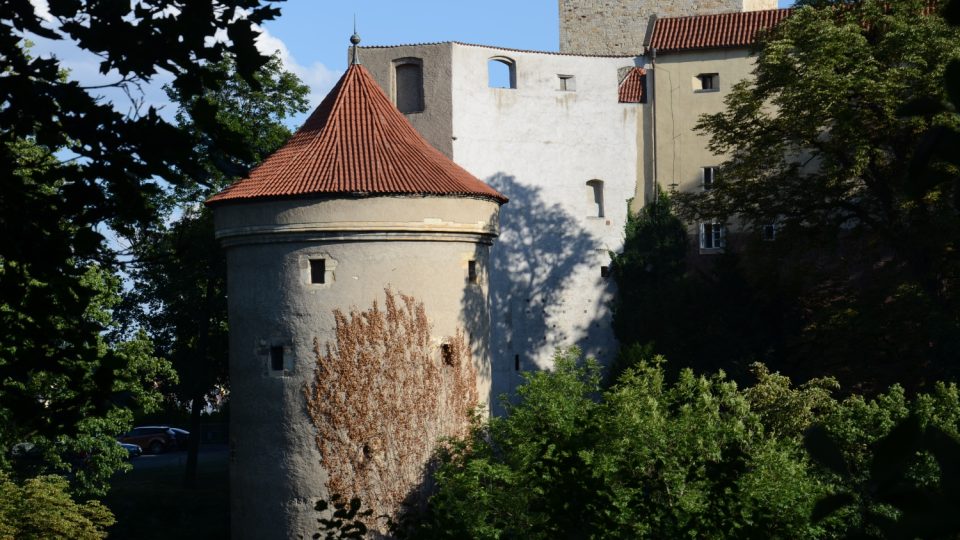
42 9
317 76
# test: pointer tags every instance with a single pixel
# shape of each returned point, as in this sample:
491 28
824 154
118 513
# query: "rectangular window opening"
709 177
318 270
712 236
516 362
446 353
472 271
707 81
604 271
769 232
276 358
567 83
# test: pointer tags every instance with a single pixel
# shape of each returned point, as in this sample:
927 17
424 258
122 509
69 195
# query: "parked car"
154 439
133 450
182 437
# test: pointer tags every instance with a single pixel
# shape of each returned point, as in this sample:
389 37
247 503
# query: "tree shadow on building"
540 247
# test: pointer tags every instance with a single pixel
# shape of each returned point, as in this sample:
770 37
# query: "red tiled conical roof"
356 142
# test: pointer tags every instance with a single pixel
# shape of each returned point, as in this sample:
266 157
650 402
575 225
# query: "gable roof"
713 31
356 143
632 87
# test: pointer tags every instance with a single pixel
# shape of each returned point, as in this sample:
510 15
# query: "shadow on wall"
539 249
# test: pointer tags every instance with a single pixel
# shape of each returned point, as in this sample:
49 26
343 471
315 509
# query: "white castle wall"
539 146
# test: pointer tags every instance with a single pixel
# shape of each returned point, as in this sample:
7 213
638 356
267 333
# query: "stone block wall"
619 27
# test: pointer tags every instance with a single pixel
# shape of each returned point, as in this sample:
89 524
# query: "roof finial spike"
355 39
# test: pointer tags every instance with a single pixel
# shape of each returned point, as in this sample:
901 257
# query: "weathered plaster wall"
682 152
418 246
434 122
620 26
540 146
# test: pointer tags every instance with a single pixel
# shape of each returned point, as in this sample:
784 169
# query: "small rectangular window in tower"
446 353
276 358
706 82
516 362
472 271
567 83
604 271
769 233
318 271
709 177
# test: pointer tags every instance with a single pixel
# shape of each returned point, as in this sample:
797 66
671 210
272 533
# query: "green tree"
42 508
693 457
706 316
833 140
72 167
179 270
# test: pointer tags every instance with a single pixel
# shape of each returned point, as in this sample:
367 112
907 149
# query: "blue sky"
313 35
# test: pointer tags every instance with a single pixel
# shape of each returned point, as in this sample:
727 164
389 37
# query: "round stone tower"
356 201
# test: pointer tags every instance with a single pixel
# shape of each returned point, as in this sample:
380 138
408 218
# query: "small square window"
706 82
567 83
604 271
769 232
712 236
709 177
318 271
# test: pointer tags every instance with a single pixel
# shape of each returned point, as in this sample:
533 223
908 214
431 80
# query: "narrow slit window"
516 362
604 271
472 271
709 177
596 191
276 358
318 271
408 78
446 353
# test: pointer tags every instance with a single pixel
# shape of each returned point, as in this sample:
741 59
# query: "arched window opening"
408 85
501 73
596 190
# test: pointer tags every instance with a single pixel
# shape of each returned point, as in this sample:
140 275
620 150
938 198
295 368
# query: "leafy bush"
42 508
694 457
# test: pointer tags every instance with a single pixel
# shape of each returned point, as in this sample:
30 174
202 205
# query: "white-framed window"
568 83
708 177
706 82
713 235
768 232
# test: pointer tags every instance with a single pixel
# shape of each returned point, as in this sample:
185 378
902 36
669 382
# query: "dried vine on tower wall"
383 396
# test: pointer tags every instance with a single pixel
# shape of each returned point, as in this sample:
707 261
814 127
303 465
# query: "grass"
152 503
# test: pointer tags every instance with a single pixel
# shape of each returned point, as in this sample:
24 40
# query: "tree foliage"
654 458
179 269
72 167
41 508
843 139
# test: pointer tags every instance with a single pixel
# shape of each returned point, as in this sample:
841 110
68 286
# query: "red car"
153 439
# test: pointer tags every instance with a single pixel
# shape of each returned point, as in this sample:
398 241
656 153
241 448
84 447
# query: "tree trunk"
198 390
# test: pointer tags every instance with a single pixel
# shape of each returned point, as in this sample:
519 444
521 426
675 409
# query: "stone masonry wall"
619 27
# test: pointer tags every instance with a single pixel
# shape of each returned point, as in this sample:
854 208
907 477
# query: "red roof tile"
633 86
356 142
713 31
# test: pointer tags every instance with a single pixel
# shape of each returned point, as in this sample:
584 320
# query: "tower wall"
620 27
419 246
